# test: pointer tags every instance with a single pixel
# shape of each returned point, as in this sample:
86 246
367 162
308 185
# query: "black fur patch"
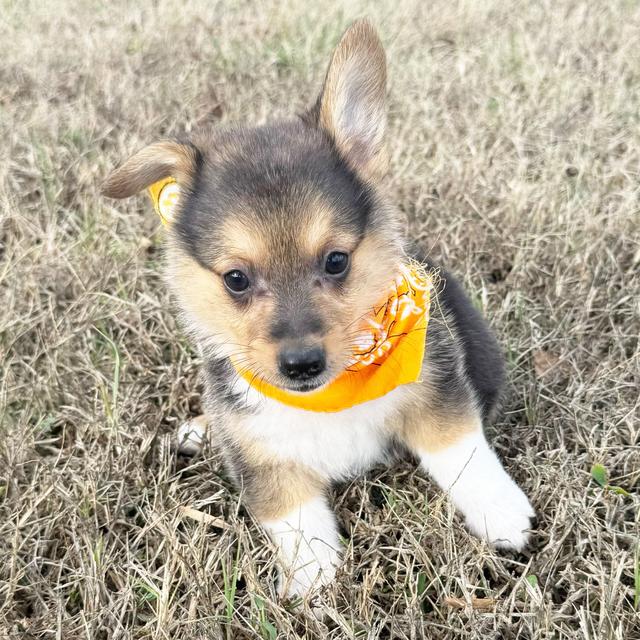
271 173
461 331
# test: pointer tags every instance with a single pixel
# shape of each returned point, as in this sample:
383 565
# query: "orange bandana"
389 351
390 347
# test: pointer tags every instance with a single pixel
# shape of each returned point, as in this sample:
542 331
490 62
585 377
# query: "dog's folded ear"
352 105
163 159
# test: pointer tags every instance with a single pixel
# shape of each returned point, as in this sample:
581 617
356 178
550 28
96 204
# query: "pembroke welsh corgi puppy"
326 343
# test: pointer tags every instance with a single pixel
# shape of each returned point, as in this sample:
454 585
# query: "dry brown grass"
516 153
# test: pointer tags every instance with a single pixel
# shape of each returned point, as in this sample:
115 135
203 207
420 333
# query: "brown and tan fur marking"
159 160
271 488
279 488
434 432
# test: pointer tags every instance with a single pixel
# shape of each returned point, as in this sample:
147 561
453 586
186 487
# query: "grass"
515 131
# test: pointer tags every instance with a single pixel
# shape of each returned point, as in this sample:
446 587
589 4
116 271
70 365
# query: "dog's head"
282 243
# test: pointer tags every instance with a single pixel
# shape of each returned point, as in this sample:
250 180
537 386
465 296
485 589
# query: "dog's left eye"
236 281
336 263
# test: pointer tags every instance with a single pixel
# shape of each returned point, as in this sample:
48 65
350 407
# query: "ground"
515 140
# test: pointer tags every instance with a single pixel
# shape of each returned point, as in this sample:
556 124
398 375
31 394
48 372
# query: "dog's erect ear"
352 105
159 160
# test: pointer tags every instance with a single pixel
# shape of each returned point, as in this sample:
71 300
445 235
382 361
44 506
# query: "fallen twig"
201 516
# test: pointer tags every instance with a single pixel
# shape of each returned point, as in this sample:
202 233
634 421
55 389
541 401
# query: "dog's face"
282 244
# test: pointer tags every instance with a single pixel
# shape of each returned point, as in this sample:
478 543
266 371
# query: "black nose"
302 363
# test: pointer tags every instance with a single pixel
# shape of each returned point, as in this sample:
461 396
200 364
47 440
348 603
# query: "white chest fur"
336 445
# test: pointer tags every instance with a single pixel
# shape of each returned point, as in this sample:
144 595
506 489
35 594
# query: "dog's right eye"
236 281
336 263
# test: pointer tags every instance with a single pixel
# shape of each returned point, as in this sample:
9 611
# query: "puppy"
326 345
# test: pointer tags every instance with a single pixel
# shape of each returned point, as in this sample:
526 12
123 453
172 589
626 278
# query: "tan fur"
209 308
353 101
278 488
320 235
159 160
432 431
244 246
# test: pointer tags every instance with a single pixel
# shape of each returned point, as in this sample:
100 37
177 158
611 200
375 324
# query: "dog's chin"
308 386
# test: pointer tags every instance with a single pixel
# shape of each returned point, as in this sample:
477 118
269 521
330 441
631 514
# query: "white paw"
308 577
308 548
191 435
493 505
500 514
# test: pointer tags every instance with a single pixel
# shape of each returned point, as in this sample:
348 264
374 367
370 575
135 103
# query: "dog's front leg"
308 545
290 503
455 453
